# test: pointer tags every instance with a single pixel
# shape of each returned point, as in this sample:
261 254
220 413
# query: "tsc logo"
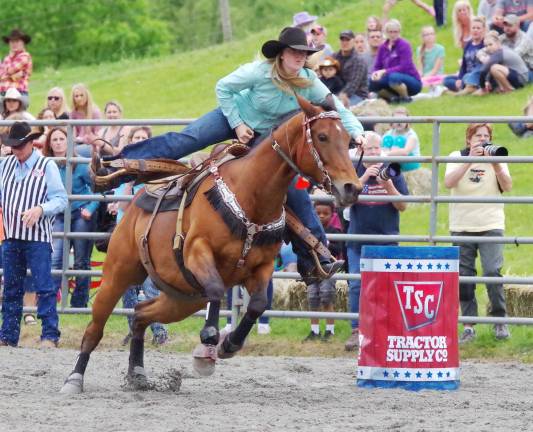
419 302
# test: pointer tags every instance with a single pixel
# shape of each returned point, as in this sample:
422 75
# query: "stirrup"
322 271
102 178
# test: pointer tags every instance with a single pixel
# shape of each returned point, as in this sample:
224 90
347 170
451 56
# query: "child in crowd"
503 69
321 295
430 62
402 140
329 69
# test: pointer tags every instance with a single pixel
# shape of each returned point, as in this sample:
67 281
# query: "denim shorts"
322 292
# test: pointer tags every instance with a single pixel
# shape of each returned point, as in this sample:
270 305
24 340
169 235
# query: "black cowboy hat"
19 134
289 37
17 34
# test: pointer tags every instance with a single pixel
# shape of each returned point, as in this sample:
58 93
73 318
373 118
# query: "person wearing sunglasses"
56 101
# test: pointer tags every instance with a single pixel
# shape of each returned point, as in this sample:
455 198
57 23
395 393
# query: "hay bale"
418 181
374 108
519 300
292 295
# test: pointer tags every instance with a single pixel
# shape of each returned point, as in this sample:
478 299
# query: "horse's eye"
322 137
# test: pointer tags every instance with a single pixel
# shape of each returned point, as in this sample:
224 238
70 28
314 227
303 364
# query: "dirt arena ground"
250 394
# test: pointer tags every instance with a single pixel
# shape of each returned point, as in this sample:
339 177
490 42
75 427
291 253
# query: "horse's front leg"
201 262
257 287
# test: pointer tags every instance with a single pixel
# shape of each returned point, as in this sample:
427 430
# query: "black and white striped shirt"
21 195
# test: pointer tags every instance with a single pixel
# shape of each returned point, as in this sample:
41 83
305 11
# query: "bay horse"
313 142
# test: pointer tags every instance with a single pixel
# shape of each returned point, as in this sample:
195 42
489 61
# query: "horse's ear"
307 107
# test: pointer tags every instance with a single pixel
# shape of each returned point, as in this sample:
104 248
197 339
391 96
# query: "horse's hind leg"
118 276
136 373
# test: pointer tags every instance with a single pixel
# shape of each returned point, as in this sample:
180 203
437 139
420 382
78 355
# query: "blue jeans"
270 294
82 255
28 286
469 78
17 256
213 128
396 78
129 300
353 252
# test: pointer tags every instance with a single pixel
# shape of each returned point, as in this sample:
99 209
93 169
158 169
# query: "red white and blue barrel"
409 306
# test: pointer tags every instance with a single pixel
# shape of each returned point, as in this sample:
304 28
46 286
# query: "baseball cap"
511 19
348 34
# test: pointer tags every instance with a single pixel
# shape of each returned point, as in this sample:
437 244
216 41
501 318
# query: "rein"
325 184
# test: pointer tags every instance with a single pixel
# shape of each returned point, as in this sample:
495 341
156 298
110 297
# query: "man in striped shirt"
31 193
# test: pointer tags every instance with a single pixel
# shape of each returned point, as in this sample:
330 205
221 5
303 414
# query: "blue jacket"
81 185
249 96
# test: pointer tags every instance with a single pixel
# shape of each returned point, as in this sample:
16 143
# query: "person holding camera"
372 217
475 179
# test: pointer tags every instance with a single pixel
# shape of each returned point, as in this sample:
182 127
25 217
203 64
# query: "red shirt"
15 71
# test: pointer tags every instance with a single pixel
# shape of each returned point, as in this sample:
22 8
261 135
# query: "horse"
312 143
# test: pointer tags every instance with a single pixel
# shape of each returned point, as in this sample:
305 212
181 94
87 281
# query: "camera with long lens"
494 150
389 171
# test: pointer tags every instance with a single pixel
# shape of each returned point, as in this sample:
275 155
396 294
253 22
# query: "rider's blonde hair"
282 80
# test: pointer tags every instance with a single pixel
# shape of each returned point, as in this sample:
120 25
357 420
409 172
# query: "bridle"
325 184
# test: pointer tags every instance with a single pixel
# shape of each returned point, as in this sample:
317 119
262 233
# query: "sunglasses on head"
56 98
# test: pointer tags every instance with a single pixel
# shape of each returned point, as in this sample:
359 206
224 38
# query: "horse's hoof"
73 384
204 359
225 349
137 378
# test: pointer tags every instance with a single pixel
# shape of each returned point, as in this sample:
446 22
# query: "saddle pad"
147 201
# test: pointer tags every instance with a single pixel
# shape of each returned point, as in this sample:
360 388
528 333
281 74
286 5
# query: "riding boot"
319 272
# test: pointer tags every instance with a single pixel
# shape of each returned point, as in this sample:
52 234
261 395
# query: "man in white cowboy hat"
31 193
16 68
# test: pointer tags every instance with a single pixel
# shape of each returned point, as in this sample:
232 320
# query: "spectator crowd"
374 64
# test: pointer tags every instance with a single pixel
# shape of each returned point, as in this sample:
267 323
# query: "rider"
252 100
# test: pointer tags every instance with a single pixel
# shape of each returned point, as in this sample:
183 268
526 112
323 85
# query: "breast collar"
249 231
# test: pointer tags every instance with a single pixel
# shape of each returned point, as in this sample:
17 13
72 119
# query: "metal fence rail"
434 199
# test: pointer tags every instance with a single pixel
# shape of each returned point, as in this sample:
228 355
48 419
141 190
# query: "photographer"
371 217
482 220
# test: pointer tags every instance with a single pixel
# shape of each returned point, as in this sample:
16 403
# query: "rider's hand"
244 133
360 141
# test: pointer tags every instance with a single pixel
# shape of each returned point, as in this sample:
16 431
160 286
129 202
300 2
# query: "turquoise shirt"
249 96
392 140
430 58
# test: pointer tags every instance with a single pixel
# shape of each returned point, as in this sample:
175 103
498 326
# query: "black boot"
311 275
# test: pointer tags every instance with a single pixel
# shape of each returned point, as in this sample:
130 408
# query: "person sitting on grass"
395 77
321 295
467 80
430 60
504 70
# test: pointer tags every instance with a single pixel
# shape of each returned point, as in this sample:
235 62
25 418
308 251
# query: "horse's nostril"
350 189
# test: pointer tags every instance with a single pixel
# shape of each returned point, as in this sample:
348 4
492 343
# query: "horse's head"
322 154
